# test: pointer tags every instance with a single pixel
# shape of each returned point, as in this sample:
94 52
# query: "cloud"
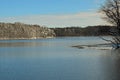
61 20
99 2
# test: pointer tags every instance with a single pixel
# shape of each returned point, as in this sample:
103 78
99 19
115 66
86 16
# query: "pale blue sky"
43 11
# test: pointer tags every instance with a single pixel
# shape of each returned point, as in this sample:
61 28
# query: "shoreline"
26 38
32 38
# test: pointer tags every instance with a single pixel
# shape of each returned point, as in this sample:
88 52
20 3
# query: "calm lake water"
55 59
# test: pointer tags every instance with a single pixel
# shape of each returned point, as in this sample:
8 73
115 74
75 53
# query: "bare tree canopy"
111 9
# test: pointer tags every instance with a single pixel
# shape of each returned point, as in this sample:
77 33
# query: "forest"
86 31
19 30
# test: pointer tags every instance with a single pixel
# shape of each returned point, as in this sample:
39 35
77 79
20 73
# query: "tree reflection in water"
115 55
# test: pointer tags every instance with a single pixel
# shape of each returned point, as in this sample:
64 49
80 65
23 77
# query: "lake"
55 59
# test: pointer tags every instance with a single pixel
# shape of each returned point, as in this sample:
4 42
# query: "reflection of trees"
21 44
115 54
110 65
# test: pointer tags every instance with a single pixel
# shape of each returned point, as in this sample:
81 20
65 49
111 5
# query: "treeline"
24 31
87 31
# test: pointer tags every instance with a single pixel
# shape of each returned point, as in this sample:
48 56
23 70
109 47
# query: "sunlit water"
55 59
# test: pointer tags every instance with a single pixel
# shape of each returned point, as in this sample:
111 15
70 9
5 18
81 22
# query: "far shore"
26 38
47 37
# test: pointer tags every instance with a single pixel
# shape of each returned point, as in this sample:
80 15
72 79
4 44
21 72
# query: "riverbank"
19 30
26 38
24 31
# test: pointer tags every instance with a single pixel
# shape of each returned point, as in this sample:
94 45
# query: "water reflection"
21 44
111 65
115 53
56 60
116 58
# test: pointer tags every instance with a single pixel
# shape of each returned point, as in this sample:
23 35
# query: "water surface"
55 59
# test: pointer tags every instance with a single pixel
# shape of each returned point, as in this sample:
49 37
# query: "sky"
52 13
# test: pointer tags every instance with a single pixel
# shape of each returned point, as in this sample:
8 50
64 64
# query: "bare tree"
111 10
